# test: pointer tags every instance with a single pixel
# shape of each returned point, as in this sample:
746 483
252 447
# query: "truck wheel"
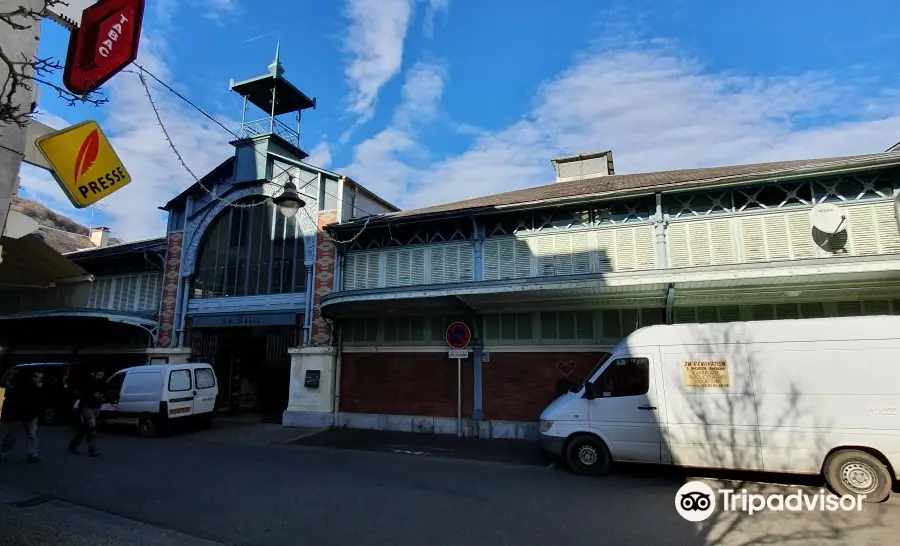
587 456
853 472
147 426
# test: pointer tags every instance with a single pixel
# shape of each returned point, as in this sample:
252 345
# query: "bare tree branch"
21 74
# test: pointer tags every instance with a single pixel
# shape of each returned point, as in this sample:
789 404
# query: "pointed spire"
275 67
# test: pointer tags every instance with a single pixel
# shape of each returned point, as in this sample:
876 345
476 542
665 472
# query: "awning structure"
29 262
799 281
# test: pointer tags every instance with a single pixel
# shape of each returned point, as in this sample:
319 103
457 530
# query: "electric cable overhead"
142 72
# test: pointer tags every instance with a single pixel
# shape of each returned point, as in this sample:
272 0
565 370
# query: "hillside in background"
60 232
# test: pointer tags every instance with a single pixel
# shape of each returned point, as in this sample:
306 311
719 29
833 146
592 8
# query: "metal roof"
156 244
630 184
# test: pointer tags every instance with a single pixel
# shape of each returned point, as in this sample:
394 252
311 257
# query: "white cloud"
657 109
375 43
157 176
386 152
433 8
320 155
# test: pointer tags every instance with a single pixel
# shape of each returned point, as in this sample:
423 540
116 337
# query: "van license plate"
179 411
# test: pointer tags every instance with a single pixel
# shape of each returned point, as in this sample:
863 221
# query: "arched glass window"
249 252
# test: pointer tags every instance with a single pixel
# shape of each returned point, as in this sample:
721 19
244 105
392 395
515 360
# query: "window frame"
190 380
212 375
598 392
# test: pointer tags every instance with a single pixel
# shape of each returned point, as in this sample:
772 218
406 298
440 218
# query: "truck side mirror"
589 390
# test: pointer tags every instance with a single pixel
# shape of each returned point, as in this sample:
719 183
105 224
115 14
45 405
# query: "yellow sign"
84 163
706 374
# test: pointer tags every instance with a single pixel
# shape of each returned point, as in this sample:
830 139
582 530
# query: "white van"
149 397
806 396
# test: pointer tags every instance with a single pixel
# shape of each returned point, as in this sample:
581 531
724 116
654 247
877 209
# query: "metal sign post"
458 337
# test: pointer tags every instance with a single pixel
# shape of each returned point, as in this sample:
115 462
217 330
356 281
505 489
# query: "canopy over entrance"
29 262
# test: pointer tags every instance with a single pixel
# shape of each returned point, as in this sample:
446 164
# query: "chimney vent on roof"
99 236
578 167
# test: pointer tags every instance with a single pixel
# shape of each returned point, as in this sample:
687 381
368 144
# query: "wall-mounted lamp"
289 202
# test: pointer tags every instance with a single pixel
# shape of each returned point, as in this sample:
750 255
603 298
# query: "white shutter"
887 228
451 263
800 234
862 230
563 254
677 245
753 242
701 251
491 258
417 266
546 264
437 265
700 242
778 245
644 247
466 263
522 258
373 270
606 251
506 268
392 268
625 250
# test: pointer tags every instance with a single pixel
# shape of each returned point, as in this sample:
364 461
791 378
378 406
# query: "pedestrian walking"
90 397
25 403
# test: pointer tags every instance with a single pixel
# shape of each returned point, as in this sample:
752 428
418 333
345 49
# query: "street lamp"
289 202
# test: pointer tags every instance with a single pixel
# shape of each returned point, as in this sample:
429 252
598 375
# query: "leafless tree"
21 74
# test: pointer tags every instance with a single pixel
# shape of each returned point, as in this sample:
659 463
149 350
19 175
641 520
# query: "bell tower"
270 121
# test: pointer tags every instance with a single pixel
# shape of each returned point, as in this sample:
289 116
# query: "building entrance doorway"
253 367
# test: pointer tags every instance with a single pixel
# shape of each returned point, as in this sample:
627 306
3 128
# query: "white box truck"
803 396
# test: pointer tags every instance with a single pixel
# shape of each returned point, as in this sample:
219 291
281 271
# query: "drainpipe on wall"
670 305
336 398
478 349
182 311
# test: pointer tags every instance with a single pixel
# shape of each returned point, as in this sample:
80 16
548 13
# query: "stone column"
168 307
311 403
323 280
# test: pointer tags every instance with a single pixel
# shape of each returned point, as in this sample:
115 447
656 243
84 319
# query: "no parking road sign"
458 335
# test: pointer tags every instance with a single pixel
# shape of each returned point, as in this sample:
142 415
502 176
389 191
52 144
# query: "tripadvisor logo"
696 501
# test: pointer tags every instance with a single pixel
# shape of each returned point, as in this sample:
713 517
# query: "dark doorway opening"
253 367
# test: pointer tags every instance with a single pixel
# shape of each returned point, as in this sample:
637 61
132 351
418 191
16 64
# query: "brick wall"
167 308
404 384
518 386
323 281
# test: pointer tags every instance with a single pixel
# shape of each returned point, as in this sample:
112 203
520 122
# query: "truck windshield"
603 358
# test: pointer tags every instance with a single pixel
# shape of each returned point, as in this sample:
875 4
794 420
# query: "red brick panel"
171 277
323 279
404 384
518 386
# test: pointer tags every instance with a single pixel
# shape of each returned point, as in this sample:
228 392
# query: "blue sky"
428 101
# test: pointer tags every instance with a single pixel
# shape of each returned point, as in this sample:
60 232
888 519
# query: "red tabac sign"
106 43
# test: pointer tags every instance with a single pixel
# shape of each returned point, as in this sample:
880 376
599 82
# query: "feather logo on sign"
87 154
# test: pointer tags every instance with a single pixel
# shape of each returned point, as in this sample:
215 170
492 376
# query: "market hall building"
243 273
330 308
550 277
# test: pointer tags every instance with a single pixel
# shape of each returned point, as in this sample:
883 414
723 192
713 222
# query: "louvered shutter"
800 234
887 228
417 266
762 312
506 267
753 240
787 311
606 251
776 235
392 268
451 263
491 257
678 245
707 314
862 230
373 270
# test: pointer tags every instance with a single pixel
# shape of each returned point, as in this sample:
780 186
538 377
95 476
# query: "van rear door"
206 390
180 392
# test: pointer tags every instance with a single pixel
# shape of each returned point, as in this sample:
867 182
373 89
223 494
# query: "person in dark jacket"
90 397
26 403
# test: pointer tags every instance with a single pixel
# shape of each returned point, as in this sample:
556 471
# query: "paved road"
236 491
